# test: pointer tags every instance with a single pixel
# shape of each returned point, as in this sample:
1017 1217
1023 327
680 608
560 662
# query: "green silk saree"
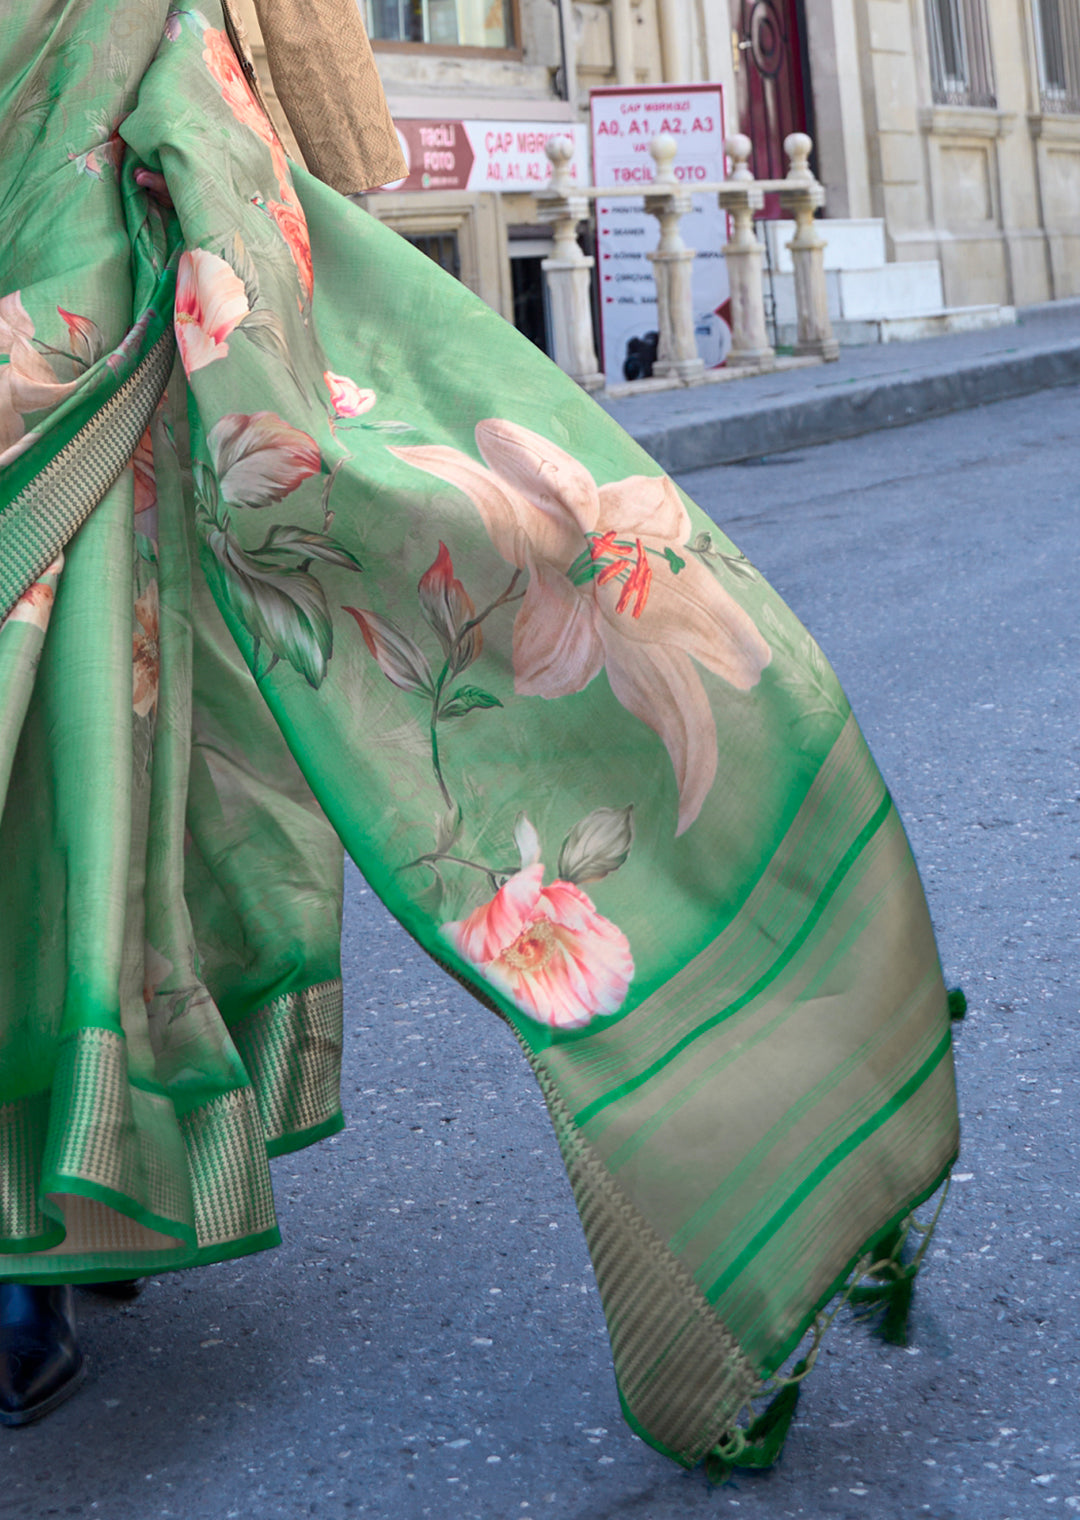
302 546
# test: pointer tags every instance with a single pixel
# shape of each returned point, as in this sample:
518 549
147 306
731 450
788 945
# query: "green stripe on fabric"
630 1146
809 923
833 1160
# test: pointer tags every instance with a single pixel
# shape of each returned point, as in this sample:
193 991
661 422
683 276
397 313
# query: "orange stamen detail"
602 545
637 584
609 572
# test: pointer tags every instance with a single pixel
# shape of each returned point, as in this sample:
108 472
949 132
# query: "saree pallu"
300 544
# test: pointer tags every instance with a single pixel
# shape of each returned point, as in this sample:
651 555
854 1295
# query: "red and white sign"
623 123
485 155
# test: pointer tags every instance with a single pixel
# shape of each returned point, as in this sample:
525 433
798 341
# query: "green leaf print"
465 699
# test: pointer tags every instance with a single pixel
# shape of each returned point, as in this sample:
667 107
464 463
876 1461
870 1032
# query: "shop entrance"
772 78
527 254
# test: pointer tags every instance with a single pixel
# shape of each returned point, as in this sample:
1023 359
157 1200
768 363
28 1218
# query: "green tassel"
895 1297
957 1003
763 1440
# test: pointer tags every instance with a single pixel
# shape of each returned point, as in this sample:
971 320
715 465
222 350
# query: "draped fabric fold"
370 571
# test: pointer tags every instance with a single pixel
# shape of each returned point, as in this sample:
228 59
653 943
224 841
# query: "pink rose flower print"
292 224
609 590
210 303
224 65
548 950
346 397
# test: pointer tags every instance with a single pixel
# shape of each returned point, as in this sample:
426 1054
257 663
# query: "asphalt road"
428 1342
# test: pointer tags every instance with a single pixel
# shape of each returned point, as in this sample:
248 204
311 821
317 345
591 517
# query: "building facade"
953 126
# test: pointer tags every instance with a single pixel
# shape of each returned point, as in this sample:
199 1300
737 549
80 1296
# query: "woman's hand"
155 187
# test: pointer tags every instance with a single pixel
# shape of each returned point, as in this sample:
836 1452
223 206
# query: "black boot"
122 1289
40 1360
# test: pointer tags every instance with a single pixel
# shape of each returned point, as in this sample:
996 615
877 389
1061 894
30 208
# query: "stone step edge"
849 410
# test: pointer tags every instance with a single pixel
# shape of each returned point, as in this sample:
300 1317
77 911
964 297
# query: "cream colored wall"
994 195
839 129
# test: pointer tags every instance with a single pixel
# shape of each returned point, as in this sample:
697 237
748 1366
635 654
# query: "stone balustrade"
568 272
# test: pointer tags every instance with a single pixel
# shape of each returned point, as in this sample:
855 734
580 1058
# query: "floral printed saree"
300 544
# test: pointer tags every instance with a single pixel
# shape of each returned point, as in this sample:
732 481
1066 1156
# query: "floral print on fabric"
448 609
224 65
36 603
258 460
29 381
548 950
291 223
286 213
346 397
608 588
210 303
145 652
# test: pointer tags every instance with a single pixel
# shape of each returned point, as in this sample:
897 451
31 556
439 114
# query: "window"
1057 39
961 72
442 247
443 23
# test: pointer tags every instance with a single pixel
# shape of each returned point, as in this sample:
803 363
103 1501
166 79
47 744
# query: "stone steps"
870 300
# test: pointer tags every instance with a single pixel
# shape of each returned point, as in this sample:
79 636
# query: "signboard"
623 122
485 155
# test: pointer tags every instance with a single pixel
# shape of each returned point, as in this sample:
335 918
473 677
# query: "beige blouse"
325 77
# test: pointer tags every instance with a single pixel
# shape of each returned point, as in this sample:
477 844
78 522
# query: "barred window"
440 246
961 73
1057 38
446 23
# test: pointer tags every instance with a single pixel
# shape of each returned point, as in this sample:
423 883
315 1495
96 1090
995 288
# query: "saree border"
121 1146
57 484
291 1048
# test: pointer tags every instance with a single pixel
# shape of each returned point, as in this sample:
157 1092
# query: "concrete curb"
773 427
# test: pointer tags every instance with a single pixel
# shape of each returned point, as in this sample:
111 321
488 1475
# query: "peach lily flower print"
608 588
210 303
28 382
547 949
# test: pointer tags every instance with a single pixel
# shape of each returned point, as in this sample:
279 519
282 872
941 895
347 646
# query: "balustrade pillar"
741 197
568 272
801 195
673 269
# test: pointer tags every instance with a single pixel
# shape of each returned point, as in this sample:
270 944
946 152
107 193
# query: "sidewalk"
884 385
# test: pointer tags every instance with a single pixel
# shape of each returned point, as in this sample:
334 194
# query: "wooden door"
772 79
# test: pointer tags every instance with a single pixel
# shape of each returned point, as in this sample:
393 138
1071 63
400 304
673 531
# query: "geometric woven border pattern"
23 1125
47 513
114 1136
291 1049
681 1373
230 1175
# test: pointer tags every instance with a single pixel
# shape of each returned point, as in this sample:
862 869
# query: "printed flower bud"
346 397
397 656
87 344
447 606
598 845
